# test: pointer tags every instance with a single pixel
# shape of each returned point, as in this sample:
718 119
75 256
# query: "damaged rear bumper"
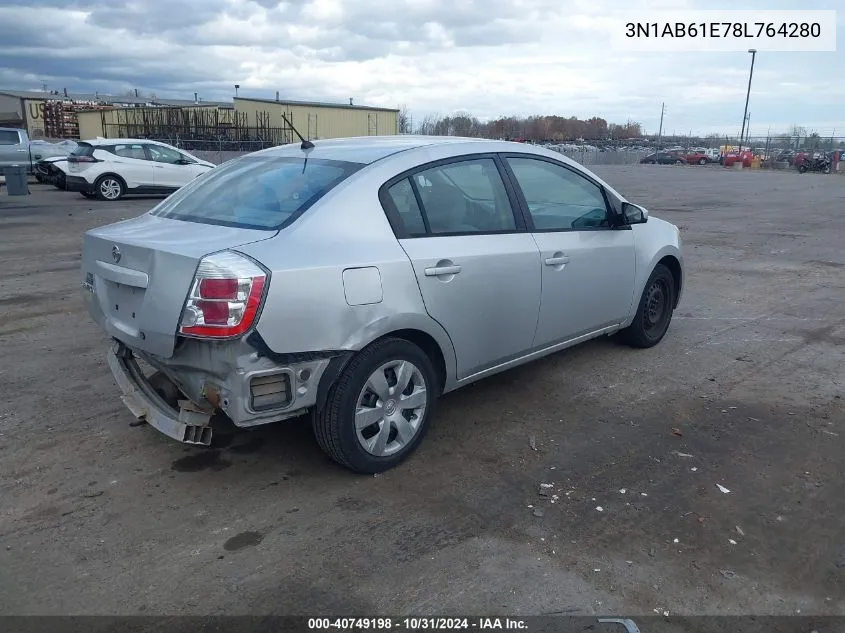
186 425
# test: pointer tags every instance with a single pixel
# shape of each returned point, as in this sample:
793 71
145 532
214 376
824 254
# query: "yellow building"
319 120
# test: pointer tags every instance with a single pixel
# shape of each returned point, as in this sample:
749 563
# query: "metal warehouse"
320 120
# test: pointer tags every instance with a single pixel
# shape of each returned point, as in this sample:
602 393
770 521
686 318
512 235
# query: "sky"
490 58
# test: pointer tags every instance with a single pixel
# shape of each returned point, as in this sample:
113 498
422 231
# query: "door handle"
442 270
20 150
557 261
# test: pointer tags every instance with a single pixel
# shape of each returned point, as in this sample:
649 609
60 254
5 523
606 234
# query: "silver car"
359 279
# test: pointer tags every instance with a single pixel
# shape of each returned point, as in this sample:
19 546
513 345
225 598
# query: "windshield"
256 192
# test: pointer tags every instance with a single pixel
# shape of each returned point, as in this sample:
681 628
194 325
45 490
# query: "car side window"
161 154
465 197
130 151
405 202
559 199
9 137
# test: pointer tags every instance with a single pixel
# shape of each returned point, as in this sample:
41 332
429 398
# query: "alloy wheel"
110 189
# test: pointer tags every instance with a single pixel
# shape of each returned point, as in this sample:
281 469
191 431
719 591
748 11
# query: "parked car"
108 169
360 279
17 149
696 158
663 158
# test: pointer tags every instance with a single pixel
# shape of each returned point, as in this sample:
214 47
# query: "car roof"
368 149
121 141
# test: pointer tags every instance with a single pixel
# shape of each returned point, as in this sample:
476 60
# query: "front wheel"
826 169
802 169
654 312
109 188
679 162
377 412
702 161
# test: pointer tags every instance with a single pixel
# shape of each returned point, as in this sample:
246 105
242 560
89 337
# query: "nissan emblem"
115 253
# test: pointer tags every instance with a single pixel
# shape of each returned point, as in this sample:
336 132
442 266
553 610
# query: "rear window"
256 192
83 149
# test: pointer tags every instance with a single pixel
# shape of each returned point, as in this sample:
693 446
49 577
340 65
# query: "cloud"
488 57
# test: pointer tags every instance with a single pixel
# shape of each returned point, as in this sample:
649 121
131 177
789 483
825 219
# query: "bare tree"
405 124
429 125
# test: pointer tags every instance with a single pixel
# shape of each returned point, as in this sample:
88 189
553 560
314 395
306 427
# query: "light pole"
753 52
236 89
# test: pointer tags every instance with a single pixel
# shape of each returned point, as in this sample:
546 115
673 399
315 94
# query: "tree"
405 124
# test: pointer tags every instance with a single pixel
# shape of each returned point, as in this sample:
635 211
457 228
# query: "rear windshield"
256 192
83 149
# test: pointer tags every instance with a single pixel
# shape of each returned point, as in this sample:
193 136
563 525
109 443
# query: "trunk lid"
138 274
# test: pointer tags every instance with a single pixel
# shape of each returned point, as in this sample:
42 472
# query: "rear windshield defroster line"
256 192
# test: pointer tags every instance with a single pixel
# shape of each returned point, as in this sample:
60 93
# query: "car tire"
109 188
648 328
679 162
702 161
365 394
802 169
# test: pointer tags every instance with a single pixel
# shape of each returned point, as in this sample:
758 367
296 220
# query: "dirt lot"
99 517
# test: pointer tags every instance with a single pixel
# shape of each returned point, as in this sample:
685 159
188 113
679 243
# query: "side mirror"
634 214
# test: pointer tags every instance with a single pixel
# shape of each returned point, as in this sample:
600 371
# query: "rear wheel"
679 162
802 169
702 161
377 412
654 312
109 188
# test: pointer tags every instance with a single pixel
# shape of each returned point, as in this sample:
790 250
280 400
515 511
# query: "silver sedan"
359 279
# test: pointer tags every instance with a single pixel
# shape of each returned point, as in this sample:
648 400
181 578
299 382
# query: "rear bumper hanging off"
189 427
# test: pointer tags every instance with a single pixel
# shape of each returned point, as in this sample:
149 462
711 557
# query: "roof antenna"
305 144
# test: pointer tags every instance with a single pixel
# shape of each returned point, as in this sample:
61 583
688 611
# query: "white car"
108 169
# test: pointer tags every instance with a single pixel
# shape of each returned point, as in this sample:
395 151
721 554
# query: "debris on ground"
701 519
680 454
622 491
739 531
532 442
644 494
677 432
722 488
676 541
651 552
727 573
753 419
731 541
693 469
546 490
538 512
599 509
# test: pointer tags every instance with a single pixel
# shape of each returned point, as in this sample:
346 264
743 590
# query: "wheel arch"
674 265
112 175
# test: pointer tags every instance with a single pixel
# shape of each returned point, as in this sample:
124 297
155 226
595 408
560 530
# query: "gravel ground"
97 517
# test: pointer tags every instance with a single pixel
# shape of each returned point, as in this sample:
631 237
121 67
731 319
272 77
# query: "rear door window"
9 137
465 197
256 192
134 150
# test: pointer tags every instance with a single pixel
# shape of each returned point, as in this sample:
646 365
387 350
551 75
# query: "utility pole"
753 52
660 131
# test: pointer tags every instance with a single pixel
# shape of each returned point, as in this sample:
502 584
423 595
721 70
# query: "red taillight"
225 297
219 289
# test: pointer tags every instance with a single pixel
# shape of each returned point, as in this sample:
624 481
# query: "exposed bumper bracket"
141 399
